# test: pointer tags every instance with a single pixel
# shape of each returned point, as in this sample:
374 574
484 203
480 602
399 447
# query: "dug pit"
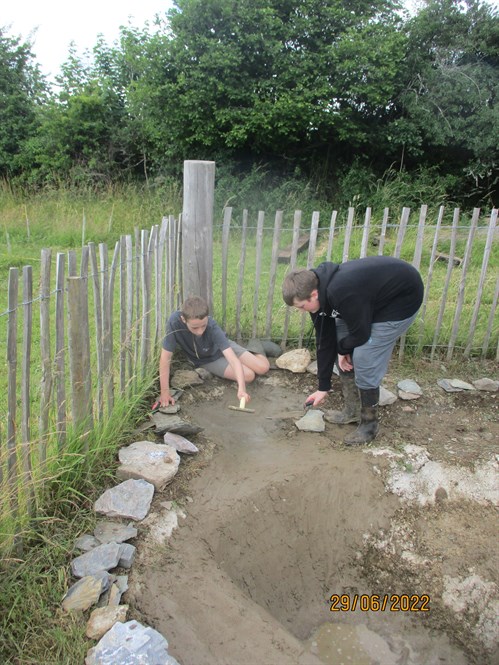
274 523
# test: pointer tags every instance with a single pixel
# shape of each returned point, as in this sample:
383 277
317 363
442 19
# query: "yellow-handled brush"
242 407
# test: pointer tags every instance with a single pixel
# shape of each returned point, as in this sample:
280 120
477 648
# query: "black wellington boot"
369 426
351 401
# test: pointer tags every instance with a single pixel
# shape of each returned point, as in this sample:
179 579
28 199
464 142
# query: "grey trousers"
370 361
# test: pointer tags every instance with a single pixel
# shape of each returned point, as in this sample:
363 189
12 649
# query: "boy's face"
311 304
196 326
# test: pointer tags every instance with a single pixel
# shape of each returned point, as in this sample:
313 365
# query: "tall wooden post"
197 230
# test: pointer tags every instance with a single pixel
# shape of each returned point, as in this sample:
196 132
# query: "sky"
58 22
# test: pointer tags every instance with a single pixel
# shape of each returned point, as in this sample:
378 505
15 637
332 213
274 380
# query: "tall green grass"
33 627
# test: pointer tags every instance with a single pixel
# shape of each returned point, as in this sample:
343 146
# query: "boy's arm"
165 397
237 368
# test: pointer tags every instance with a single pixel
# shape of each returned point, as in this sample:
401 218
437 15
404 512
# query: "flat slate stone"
446 385
410 386
386 397
165 423
103 557
312 421
130 643
130 499
180 443
114 532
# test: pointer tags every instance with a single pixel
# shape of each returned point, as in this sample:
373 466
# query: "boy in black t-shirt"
206 345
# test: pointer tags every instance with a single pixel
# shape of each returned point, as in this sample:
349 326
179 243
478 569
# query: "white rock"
155 462
295 361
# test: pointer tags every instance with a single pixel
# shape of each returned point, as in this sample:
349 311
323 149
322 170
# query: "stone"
103 619
386 397
272 350
117 589
154 462
180 443
312 368
184 378
165 423
463 385
86 592
295 361
446 385
408 396
127 555
130 643
486 384
409 386
130 499
103 557
114 532
86 542
169 410
312 421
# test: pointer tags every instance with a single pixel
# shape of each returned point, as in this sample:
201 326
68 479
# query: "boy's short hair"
299 284
194 308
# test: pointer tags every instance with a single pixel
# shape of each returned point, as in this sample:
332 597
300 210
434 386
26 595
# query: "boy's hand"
165 399
316 398
242 394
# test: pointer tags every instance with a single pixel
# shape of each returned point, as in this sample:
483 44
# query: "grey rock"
86 542
103 557
165 423
180 443
114 532
409 386
312 368
130 499
312 421
295 361
170 409
446 385
272 350
130 643
183 378
463 385
86 592
407 396
127 555
157 463
486 384
386 397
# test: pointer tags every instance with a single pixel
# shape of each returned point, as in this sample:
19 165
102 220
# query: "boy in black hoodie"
359 310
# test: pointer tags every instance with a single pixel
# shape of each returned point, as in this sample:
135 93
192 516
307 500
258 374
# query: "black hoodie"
361 292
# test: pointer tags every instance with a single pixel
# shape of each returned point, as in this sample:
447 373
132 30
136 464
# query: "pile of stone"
145 467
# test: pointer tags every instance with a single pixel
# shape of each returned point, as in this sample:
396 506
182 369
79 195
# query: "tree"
449 113
22 91
272 77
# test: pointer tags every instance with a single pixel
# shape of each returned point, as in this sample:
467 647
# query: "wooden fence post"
197 230
79 352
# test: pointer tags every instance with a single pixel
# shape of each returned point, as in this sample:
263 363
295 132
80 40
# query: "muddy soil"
292 549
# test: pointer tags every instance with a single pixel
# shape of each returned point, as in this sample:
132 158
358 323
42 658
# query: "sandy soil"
273 523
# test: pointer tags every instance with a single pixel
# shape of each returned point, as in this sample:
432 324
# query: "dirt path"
278 521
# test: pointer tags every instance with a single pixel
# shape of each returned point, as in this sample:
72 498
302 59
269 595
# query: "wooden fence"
100 323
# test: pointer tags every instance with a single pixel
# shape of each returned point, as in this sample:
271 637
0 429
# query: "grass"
33 627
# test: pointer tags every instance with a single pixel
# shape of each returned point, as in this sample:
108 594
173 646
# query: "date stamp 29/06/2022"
379 602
